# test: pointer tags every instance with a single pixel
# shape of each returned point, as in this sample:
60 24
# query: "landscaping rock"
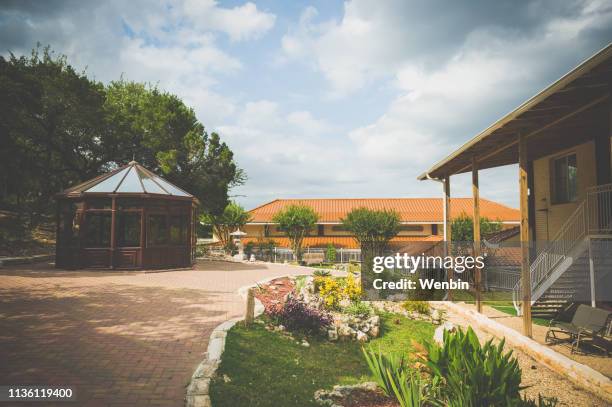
331 398
305 344
332 334
439 332
362 337
345 331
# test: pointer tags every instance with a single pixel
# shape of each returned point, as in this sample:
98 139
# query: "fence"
496 278
282 255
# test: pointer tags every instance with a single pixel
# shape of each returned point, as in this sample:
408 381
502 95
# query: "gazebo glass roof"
130 179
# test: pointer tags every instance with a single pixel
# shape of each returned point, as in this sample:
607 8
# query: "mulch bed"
366 398
273 293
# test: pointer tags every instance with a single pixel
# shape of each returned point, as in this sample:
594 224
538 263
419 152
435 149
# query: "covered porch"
561 141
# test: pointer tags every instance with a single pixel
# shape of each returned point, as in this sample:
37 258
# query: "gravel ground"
594 358
539 378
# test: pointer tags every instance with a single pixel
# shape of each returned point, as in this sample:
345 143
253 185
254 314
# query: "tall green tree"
296 221
462 227
157 129
373 230
462 232
58 127
233 218
53 130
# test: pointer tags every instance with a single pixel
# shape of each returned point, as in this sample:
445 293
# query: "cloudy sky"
329 99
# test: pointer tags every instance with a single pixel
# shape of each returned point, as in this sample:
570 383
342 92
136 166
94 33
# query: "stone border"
8 261
199 387
580 374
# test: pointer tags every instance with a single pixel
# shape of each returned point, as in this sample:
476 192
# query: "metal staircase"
561 272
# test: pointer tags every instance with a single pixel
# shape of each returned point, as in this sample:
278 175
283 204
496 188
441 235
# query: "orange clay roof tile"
425 210
345 242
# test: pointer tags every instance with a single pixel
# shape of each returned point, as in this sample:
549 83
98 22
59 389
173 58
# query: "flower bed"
268 367
322 305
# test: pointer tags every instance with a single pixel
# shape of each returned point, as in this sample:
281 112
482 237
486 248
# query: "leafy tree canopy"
462 227
296 221
60 127
373 230
233 217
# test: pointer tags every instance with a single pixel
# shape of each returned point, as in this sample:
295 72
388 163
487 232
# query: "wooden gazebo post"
113 238
476 221
524 206
143 230
447 227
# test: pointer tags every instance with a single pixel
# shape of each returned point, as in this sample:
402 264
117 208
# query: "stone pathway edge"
198 389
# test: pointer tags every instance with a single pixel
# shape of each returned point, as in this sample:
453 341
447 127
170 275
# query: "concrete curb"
199 387
581 375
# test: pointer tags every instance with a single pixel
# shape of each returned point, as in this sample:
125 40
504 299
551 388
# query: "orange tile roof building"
421 219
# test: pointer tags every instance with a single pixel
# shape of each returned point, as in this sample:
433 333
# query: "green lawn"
267 369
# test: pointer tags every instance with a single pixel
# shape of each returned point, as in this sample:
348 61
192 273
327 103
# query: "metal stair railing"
592 216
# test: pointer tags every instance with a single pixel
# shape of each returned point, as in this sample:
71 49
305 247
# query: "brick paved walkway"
119 339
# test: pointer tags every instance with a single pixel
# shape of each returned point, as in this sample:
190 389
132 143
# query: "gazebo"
129 218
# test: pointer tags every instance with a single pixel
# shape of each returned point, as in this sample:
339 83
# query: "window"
434 229
128 229
410 228
320 230
158 230
99 203
178 229
129 203
564 177
97 229
338 228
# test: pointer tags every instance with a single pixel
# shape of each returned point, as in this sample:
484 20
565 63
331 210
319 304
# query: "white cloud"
240 23
439 105
288 154
437 75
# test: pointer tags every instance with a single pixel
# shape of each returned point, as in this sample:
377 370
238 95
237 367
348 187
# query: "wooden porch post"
447 227
476 221
113 239
524 206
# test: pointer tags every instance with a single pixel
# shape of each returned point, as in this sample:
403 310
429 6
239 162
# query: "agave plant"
475 375
411 390
384 368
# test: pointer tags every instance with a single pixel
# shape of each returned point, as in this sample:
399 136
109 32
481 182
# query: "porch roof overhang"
574 101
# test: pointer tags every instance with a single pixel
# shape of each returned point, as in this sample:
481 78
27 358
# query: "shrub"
231 248
410 389
330 291
321 273
384 368
421 307
266 249
475 375
351 288
542 402
202 251
358 308
248 249
330 253
333 290
295 315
